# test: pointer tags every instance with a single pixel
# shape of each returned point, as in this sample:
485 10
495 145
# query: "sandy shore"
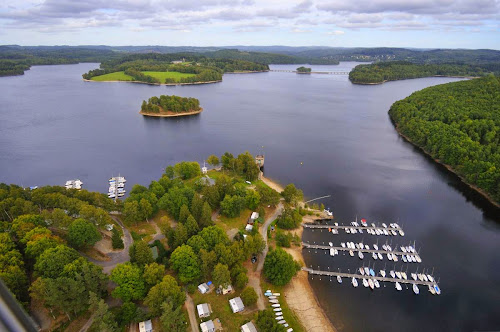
271 183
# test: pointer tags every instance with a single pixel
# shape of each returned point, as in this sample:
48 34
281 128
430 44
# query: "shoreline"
247 72
449 168
413 78
167 115
168 84
299 294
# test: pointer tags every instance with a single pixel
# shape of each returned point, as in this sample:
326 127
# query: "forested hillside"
458 124
397 70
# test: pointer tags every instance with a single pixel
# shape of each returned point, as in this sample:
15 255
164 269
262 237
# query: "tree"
268 196
254 244
51 262
191 226
196 207
131 212
140 253
279 267
172 319
197 243
227 160
292 194
128 312
130 282
185 263
252 199
221 275
241 280
249 296
184 213
180 235
266 322
89 274
116 239
166 290
157 189
146 209
213 235
208 261
83 233
289 219
104 320
231 206
153 273
38 244
206 216
213 160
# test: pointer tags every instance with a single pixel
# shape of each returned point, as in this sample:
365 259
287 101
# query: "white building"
236 304
226 290
249 228
207 326
203 310
203 288
146 326
248 327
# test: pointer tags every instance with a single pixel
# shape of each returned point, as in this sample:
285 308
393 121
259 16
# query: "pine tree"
116 240
206 216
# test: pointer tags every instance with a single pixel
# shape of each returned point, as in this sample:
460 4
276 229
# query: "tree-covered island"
170 106
458 124
303 70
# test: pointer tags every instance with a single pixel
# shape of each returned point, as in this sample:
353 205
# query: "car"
248 182
254 259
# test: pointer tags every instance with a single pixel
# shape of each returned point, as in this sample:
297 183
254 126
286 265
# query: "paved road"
191 313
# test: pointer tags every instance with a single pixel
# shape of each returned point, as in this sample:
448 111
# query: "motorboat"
343 244
398 274
419 260
398 286
328 212
276 294
380 256
389 256
403 257
356 245
415 289
371 284
401 232
377 284
361 245
332 252
365 282
330 243
403 249
432 290
363 222
403 274
367 271
424 277
393 232
392 274
339 279
437 289
430 278
414 276
348 231
375 247
367 247
374 255
351 252
420 277
382 273
394 257
396 225
362 271
274 301
384 225
360 255
272 297
354 282
372 273
279 318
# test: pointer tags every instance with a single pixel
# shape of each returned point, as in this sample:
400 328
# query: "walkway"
189 304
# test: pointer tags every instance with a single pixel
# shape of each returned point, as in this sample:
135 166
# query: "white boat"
431 279
279 318
424 276
362 271
374 255
332 252
275 305
276 294
419 260
380 256
420 277
373 225
347 231
354 282
394 232
415 289
384 225
356 245
432 290
385 232
403 249
403 274
339 279
277 309
414 276
371 284
392 274
398 274
351 253
382 273
274 301
360 231
398 286
401 232
361 245
396 225
389 256
377 284
367 271
367 247
268 291
328 212
394 257
354 230
375 247
278 313
343 244
404 258
330 244
365 283
271 297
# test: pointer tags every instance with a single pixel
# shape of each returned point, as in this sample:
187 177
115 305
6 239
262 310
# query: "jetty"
316 226
385 252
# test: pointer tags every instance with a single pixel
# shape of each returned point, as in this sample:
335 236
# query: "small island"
170 106
303 70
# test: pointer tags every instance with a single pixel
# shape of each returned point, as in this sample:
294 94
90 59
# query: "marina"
116 187
74 184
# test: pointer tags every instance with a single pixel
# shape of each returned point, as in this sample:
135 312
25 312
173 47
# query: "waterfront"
318 131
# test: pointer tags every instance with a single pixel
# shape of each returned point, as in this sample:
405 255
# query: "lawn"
238 222
162 75
222 310
117 76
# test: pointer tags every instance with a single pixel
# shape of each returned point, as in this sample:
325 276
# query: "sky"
337 23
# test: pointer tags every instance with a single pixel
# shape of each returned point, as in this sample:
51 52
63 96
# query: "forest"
173 104
399 70
303 70
459 124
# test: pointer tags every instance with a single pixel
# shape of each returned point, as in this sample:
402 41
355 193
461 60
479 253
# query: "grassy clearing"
116 76
288 314
222 310
162 75
238 222
144 230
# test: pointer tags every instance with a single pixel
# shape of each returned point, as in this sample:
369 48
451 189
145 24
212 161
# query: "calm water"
318 131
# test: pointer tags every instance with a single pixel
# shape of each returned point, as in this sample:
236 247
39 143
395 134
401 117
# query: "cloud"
335 33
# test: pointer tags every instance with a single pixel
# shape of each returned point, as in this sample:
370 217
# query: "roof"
236 304
154 251
146 326
207 326
207 181
249 227
203 309
254 215
248 327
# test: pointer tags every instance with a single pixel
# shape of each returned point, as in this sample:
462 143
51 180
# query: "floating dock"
323 247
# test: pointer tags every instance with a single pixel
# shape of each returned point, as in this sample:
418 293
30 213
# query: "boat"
404 258
375 247
367 247
437 289
360 255
432 290
354 282
419 260
274 301
371 284
394 232
367 271
389 256
362 271
377 284
382 273
385 232
279 318
339 279
424 277
332 252
330 244
347 231
271 297
277 309
420 277
414 276
372 273
392 274
398 274
343 244
431 279
365 282
384 225
278 313
351 253
275 305
373 225
363 222
356 245
380 256
403 249
276 294
401 232
398 286
328 212
374 255
396 225
403 274
415 289
394 257
268 291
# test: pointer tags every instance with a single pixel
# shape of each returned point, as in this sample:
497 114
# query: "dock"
359 276
316 226
322 247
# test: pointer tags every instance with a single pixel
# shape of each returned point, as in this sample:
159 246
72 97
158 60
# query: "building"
146 326
253 217
236 304
154 252
206 181
203 288
204 310
249 228
259 160
226 290
207 326
248 327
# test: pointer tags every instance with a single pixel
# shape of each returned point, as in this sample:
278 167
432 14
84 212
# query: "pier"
317 226
322 247
359 276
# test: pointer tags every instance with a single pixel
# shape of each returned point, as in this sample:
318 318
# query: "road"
191 313
254 276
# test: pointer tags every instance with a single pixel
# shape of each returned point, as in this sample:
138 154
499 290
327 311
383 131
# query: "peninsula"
170 106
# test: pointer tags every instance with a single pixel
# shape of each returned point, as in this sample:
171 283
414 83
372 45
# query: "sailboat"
437 289
415 289
382 273
360 255
380 256
377 284
394 257
398 286
351 253
398 274
432 290
365 282
374 255
393 275
354 282
371 284
372 273
362 271
339 279
414 276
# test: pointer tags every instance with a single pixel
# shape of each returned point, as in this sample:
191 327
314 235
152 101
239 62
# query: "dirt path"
189 304
87 324
158 235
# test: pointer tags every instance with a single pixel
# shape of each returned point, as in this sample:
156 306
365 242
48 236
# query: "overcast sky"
403 23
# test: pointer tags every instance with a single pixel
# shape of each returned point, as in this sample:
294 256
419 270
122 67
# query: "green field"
161 75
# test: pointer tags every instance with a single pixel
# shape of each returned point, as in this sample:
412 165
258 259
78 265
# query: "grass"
116 76
222 310
144 230
238 222
288 314
161 75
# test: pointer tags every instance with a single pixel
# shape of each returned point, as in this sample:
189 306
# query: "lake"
321 132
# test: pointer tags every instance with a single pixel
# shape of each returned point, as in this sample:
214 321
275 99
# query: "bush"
249 296
116 239
289 219
280 267
283 239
